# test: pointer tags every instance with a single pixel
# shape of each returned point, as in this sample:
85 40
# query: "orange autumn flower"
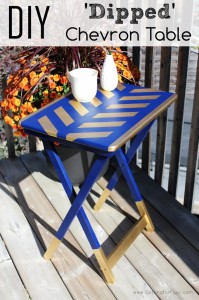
52 85
25 95
14 92
59 88
16 101
10 78
120 78
16 118
30 98
56 77
32 74
23 82
53 95
4 103
125 62
46 101
8 120
40 74
34 81
63 80
45 93
23 115
22 108
45 60
22 60
17 133
30 109
27 87
127 74
43 69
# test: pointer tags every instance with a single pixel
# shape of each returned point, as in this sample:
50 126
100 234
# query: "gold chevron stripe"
78 107
115 115
96 102
48 126
64 116
102 124
73 136
120 86
129 134
106 93
152 97
143 90
136 105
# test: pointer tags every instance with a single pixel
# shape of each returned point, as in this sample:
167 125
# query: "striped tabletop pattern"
105 123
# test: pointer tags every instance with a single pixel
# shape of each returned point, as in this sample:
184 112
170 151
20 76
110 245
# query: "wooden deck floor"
160 265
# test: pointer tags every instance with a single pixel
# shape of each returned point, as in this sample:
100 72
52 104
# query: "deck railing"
184 64
161 74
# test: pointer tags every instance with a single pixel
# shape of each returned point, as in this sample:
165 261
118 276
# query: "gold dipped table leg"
51 249
102 199
144 213
104 266
107 263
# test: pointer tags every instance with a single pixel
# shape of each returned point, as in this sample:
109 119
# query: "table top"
106 123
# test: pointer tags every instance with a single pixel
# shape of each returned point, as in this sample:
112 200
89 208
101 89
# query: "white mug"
84 83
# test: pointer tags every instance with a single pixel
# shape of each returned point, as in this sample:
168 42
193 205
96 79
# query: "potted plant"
37 76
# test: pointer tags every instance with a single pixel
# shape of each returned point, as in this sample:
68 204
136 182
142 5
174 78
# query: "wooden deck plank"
147 264
151 264
71 263
11 286
39 276
173 246
128 281
176 214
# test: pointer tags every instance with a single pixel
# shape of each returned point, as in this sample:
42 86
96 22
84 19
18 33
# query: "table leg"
77 209
134 189
143 222
130 153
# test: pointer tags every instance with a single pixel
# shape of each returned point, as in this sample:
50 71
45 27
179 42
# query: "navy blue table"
101 126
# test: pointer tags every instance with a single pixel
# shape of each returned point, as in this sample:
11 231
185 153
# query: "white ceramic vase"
84 83
109 76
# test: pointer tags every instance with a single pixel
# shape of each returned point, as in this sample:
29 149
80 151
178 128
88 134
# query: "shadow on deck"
159 265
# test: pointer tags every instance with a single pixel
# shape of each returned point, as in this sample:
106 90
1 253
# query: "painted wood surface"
11 286
128 280
182 72
153 261
169 242
160 265
165 66
38 275
70 261
193 148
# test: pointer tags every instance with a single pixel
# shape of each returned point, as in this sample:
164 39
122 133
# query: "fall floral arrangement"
38 76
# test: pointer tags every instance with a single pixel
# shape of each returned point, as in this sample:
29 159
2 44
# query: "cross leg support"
130 153
145 222
133 189
107 263
76 200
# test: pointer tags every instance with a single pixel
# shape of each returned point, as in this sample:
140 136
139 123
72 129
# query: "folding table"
101 126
